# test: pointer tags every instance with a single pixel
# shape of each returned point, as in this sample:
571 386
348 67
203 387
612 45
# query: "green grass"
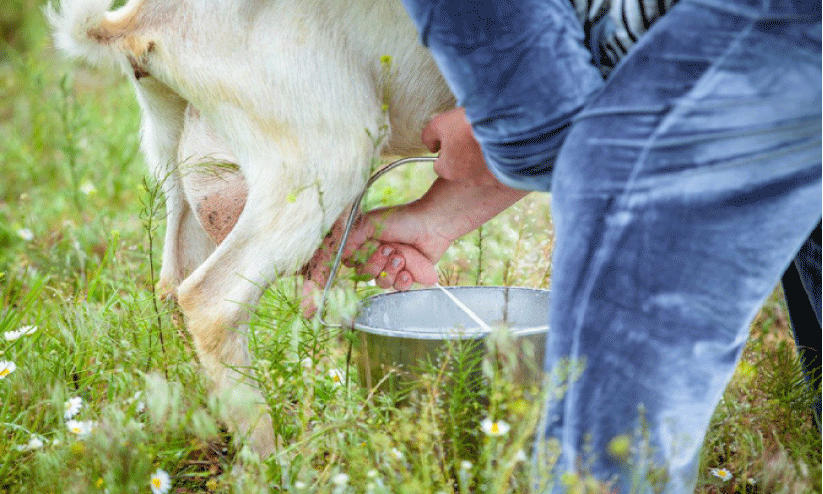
79 238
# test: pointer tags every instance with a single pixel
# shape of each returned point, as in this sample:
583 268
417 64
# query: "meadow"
99 384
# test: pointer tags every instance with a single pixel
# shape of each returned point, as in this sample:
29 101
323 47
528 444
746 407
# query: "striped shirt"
613 26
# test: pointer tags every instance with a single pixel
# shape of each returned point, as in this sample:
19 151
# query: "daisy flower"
71 407
160 482
34 443
6 368
494 428
337 377
80 428
141 405
88 188
340 480
25 234
24 330
721 473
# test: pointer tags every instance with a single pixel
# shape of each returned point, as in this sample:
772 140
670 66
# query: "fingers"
398 266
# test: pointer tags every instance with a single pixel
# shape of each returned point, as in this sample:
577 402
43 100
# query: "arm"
408 240
520 69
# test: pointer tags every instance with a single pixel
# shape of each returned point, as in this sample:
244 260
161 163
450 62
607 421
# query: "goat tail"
86 29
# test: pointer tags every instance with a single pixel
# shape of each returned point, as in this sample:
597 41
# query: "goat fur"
261 112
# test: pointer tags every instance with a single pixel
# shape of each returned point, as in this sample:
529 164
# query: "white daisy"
340 480
494 427
160 482
80 428
337 377
34 443
141 405
71 407
88 188
25 234
24 330
721 473
6 368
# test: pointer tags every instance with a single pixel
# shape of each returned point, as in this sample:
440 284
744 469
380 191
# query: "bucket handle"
353 214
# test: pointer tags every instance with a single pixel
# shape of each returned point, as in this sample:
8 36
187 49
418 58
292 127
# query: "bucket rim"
418 333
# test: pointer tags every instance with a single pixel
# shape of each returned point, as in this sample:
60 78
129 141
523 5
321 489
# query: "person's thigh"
680 196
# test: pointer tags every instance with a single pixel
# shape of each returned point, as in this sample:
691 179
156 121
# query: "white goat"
286 90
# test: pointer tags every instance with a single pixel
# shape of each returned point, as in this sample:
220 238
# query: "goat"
289 93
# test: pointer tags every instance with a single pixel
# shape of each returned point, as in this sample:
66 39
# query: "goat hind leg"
272 235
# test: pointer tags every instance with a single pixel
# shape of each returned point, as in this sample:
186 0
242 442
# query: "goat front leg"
273 234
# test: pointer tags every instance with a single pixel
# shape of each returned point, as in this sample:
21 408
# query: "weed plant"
79 253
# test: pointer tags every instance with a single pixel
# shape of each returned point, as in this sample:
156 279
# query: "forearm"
453 209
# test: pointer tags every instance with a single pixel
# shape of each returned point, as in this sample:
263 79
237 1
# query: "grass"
79 246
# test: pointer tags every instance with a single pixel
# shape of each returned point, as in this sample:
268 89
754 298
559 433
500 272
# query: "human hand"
460 158
396 246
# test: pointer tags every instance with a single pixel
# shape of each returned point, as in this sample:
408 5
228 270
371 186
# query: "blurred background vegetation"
80 233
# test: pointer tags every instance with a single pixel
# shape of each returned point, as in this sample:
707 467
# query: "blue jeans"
681 194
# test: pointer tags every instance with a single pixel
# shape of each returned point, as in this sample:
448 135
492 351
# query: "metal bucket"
397 332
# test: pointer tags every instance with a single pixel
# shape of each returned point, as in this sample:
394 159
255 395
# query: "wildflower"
721 473
494 428
34 443
620 447
212 485
337 376
141 405
520 456
88 188
80 428
396 454
24 330
25 234
300 485
466 465
72 406
340 480
6 368
160 482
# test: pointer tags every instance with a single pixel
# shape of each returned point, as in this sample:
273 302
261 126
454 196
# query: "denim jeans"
682 193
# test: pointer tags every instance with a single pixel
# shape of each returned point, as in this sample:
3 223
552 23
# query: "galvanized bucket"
398 331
